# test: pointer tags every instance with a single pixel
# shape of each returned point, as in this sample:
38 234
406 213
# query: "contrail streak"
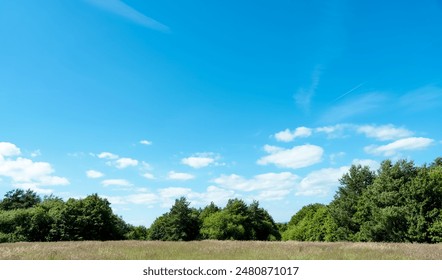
350 91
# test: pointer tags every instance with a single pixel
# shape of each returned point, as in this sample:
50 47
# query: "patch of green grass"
218 250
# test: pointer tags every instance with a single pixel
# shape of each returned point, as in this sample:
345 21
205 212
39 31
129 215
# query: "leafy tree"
263 227
90 218
181 223
223 225
208 210
311 223
19 199
137 233
343 207
382 210
423 203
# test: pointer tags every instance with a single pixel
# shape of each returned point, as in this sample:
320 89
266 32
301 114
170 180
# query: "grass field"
218 250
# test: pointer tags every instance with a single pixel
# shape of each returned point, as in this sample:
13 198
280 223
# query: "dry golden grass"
218 250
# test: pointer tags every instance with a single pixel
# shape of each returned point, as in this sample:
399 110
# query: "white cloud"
214 194
94 174
180 176
8 149
36 153
125 162
199 160
142 198
406 144
374 165
145 142
384 132
122 9
107 155
333 131
287 135
320 182
267 181
116 182
271 195
26 171
174 192
296 157
149 176
139 198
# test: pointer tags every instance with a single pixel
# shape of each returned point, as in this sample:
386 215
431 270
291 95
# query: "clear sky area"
146 101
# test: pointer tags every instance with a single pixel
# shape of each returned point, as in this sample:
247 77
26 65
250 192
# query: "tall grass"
218 250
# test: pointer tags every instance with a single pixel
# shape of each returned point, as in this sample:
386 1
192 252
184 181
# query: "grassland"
218 250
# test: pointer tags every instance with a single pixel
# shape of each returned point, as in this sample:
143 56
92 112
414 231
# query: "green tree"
262 225
91 218
312 223
382 209
19 199
343 207
181 223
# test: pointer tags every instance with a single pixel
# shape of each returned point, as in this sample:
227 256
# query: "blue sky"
146 101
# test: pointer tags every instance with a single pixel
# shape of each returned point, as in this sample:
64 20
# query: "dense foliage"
399 203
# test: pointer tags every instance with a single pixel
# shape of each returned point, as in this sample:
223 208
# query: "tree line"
400 202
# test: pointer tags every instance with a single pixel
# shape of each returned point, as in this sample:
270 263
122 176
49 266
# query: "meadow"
218 250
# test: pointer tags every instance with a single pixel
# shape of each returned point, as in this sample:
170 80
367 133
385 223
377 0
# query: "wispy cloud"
304 96
172 175
288 135
296 157
116 182
423 98
358 105
146 142
384 132
406 144
120 8
94 174
200 160
320 182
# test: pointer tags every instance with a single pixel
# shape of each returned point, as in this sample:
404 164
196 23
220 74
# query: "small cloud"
145 142
333 131
146 166
406 144
36 153
8 149
320 182
296 157
25 172
107 155
180 176
94 174
142 198
287 135
149 176
200 160
266 181
384 132
125 162
116 182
